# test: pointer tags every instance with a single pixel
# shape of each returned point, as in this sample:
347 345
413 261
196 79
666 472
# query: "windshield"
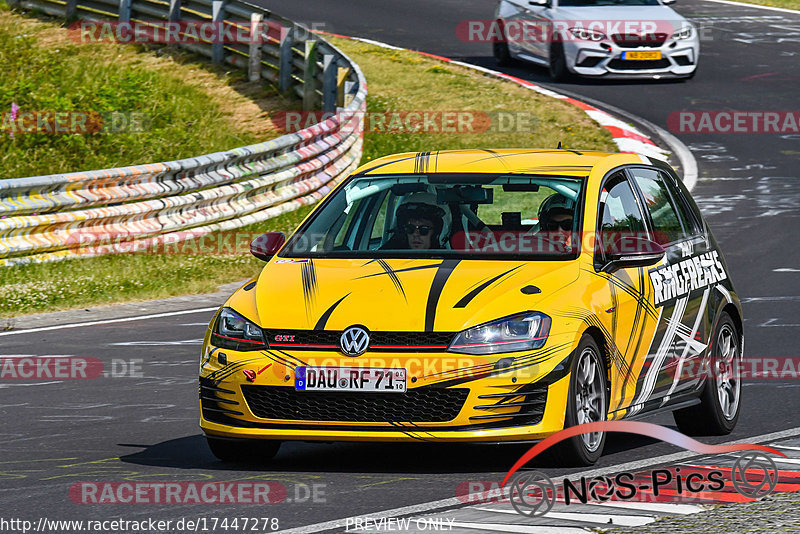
445 215
591 3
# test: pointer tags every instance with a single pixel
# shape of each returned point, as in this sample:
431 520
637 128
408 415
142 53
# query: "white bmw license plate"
370 379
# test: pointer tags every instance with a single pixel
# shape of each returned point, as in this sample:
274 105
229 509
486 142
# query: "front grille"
216 408
622 64
527 410
430 405
590 61
379 341
683 61
633 40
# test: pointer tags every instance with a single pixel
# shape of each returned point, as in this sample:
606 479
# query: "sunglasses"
566 224
423 229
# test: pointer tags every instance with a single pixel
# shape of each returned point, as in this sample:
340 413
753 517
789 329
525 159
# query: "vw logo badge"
354 341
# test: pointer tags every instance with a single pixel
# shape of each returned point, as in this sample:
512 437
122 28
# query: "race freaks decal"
679 279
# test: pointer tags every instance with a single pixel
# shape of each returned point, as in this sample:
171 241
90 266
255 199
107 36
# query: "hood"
613 13
402 294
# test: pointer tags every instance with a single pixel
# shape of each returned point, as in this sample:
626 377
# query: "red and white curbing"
627 138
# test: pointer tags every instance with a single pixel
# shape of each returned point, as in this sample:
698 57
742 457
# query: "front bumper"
604 59
468 399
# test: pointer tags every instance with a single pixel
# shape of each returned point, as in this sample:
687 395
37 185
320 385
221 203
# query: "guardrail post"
329 86
174 10
71 11
256 34
341 77
310 75
124 11
218 17
285 66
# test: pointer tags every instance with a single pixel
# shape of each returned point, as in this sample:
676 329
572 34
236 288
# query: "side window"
688 219
619 212
667 224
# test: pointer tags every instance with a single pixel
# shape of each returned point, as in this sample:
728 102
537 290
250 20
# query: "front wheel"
558 63
500 50
586 403
241 450
719 407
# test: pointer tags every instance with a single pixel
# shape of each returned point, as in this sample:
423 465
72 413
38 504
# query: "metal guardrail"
44 218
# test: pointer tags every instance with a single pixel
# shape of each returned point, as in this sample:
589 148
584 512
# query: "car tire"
720 399
557 64
588 392
500 50
243 450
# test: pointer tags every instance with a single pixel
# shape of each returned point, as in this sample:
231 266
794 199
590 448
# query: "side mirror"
630 251
266 245
539 3
668 2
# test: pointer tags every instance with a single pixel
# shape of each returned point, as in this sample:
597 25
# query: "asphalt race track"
139 423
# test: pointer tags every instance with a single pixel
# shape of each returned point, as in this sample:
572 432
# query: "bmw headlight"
232 331
683 33
525 331
586 34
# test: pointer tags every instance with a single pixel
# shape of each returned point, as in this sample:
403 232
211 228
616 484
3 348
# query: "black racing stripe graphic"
520 363
278 358
614 314
436 162
292 356
393 276
364 173
225 372
432 266
439 280
323 320
309 278
466 299
632 291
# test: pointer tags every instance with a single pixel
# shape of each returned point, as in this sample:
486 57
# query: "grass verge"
397 81
184 107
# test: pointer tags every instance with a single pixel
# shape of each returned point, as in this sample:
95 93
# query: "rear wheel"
241 450
718 410
586 403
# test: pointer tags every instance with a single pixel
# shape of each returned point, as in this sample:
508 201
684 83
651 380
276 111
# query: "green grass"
189 107
397 81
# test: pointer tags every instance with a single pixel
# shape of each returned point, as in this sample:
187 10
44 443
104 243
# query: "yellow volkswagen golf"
479 296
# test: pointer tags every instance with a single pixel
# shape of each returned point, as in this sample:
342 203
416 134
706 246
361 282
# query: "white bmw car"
597 38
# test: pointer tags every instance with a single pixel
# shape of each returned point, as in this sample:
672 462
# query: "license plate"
639 55
370 379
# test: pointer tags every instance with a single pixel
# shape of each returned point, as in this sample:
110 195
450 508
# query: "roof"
523 161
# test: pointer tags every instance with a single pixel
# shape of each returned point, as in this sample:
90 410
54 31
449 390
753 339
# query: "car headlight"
232 331
585 34
525 331
683 33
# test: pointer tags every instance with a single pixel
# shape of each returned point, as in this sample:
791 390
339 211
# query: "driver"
556 218
418 227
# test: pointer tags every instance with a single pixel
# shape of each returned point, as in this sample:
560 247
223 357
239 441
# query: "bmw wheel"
720 404
500 50
242 451
558 63
586 403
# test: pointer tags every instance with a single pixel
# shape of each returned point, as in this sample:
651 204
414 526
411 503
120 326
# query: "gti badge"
354 341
